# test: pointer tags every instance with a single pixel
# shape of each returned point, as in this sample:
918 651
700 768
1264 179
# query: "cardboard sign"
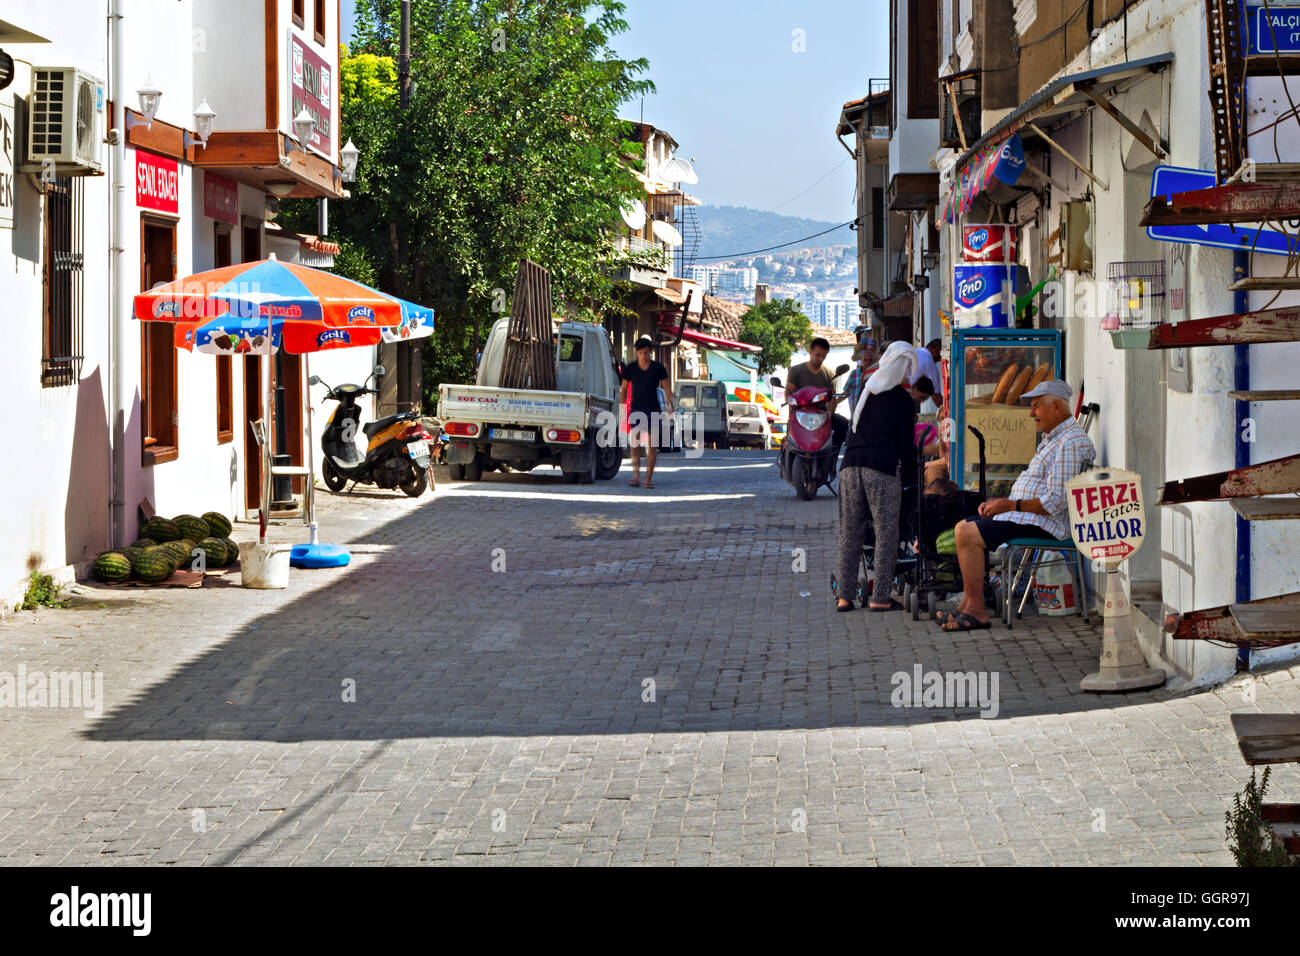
1107 520
220 198
157 182
1010 437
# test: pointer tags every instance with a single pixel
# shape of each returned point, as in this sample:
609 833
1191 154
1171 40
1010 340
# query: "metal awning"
713 341
1065 95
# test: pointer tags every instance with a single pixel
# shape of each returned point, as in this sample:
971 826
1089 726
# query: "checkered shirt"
1065 451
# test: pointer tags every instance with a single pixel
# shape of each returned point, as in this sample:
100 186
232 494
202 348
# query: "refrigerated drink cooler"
990 369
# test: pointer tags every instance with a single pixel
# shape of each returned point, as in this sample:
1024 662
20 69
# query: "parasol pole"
311 453
267 457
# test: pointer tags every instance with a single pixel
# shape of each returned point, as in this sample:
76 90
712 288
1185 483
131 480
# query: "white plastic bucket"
1053 588
264 565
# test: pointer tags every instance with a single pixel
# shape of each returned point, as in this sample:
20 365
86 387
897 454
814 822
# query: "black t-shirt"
644 382
885 434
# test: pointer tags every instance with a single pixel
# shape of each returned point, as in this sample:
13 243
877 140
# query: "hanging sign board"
1107 520
311 88
220 198
157 182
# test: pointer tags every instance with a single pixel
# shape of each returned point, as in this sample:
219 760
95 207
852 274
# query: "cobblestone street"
502 716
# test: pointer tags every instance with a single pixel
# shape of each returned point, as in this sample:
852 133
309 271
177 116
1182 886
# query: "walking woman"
880 443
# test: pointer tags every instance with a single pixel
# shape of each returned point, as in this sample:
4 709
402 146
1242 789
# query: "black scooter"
397 450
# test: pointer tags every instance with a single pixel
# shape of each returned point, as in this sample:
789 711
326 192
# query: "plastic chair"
1032 554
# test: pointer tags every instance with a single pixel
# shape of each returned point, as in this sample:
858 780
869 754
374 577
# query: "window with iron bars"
61 352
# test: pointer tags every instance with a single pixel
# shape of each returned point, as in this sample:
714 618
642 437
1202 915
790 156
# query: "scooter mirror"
841 370
774 381
314 380
380 371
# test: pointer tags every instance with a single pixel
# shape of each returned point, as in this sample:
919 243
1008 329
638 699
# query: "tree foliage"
777 327
510 148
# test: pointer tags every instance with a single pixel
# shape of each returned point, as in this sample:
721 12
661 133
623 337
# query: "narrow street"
506 716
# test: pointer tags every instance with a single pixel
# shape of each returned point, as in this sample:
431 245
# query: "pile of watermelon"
166 546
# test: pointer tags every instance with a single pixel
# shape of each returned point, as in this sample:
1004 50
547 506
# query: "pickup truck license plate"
512 434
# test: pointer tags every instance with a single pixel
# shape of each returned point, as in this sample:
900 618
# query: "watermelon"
112 566
181 552
154 566
218 523
143 543
192 527
131 552
232 551
161 530
214 550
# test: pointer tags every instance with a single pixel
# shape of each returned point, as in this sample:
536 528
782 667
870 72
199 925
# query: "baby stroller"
936 571
906 562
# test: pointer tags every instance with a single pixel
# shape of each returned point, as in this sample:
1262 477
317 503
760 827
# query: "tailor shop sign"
1107 520
311 87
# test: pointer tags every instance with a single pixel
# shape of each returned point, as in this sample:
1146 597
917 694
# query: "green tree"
511 148
777 327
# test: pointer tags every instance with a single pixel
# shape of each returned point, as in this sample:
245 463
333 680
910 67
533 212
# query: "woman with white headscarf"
880 443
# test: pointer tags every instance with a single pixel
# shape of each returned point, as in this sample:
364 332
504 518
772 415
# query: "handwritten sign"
157 182
1107 520
1010 437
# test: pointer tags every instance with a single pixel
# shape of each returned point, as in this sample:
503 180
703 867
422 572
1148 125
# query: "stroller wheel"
833 583
864 591
932 605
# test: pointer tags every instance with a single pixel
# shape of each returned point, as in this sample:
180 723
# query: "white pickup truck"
574 427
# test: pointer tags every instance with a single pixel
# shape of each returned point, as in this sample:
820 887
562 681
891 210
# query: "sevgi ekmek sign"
311 87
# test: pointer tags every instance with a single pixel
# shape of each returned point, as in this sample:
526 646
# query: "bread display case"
991 369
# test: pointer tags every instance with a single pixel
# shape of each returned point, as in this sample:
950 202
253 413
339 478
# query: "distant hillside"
725 230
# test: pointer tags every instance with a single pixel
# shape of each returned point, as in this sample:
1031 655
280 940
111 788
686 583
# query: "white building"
112 417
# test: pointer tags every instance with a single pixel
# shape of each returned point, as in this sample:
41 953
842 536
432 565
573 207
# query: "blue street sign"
1285 23
1167 180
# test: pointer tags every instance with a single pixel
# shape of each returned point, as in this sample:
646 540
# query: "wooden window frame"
157 454
225 363
922 84
300 13
318 21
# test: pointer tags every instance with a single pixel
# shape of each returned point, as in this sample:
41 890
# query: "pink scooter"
807 453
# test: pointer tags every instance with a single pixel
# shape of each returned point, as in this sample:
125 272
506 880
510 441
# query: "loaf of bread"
1039 377
1004 383
1020 385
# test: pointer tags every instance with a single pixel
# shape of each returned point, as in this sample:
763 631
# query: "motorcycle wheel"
414 484
456 471
333 480
802 481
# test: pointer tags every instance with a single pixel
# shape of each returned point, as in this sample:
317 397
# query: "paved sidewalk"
644 679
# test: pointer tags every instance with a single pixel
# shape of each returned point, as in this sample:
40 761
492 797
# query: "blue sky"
757 116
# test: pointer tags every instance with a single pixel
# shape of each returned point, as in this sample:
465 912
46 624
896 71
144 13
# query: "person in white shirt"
927 364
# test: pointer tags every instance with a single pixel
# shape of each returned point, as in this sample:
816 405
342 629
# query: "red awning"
711 341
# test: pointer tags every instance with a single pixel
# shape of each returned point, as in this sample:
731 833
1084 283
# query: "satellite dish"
633 214
678 171
690 178
666 233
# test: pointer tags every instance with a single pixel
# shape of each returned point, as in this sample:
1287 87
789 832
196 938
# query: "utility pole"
404 56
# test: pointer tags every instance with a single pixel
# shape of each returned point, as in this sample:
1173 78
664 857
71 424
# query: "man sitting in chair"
1037 507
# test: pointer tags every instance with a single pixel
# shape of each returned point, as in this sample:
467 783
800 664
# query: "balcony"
641 262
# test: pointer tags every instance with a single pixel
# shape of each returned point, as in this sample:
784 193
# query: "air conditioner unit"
65 122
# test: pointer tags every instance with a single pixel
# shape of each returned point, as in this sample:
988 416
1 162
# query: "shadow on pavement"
596 599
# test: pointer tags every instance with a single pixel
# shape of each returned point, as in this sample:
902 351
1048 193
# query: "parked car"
709 399
747 424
